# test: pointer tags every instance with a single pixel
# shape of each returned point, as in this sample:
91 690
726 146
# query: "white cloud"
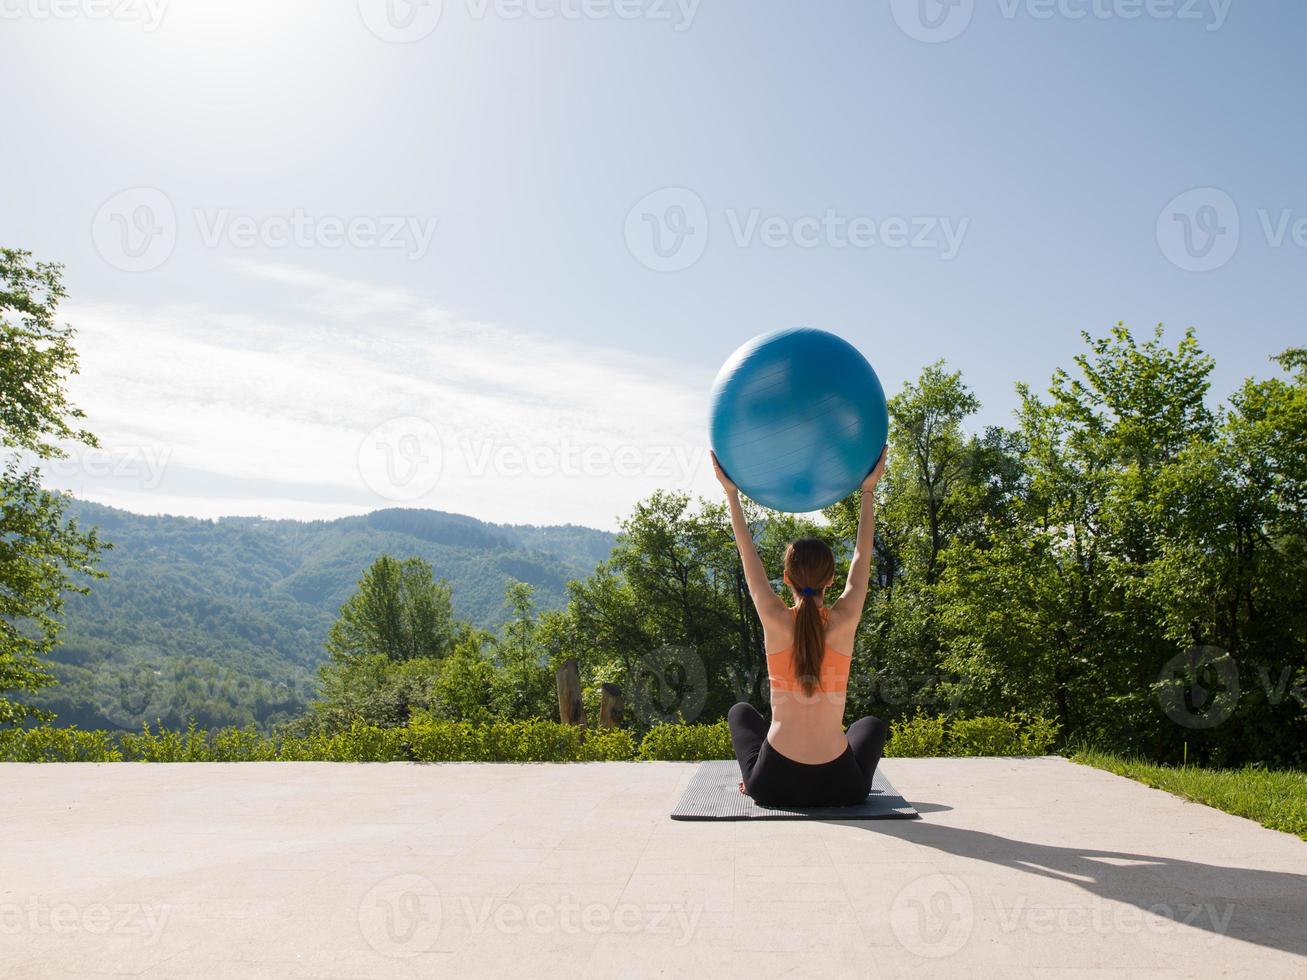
208 413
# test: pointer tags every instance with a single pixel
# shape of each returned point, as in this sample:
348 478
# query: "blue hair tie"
807 591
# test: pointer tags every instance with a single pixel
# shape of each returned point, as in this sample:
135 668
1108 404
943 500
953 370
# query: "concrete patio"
1017 867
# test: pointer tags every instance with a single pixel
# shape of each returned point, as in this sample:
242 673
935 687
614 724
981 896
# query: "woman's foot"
742 789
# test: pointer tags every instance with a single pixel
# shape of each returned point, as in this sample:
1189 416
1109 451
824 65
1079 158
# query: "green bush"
241 745
1040 736
687 743
608 745
365 743
984 736
57 745
530 741
167 745
444 741
924 736
916 737
426 739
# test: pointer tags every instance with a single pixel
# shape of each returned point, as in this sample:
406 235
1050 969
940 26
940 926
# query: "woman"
804 757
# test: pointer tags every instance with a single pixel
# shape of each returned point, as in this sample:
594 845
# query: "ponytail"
809 643
809 568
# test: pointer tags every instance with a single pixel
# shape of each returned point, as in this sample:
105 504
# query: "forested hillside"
229 616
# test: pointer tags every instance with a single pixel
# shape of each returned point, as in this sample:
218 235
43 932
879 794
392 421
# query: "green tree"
385 647
465 686
41 549
1049 612
398 612
523 686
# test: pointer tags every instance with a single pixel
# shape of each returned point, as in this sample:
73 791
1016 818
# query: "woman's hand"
730 488
874 476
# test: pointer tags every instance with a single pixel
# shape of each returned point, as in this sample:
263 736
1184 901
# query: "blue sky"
316 247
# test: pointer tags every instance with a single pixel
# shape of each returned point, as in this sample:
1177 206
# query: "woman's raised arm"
765 599
859 580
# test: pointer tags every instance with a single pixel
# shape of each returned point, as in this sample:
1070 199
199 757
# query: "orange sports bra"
833 678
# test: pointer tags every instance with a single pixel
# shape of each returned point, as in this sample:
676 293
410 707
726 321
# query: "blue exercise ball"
798 419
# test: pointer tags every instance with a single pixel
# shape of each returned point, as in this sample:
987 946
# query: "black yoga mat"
714 794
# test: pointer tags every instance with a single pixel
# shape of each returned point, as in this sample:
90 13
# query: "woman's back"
809 727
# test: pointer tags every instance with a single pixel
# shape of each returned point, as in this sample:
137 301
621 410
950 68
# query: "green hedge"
924 736
426 740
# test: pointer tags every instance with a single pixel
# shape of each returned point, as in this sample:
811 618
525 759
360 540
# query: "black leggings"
772 779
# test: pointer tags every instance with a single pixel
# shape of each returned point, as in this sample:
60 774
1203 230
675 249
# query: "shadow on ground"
1262 907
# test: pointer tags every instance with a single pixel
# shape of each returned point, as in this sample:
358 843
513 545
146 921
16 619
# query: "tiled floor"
1017 867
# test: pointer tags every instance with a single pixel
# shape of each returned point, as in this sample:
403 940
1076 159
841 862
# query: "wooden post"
610 706
570 709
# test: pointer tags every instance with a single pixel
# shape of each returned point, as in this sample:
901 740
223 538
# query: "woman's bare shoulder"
842 624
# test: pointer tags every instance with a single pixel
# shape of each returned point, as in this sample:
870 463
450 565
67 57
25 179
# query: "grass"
1275 799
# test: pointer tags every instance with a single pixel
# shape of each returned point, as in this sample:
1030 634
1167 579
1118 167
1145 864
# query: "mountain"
225 620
